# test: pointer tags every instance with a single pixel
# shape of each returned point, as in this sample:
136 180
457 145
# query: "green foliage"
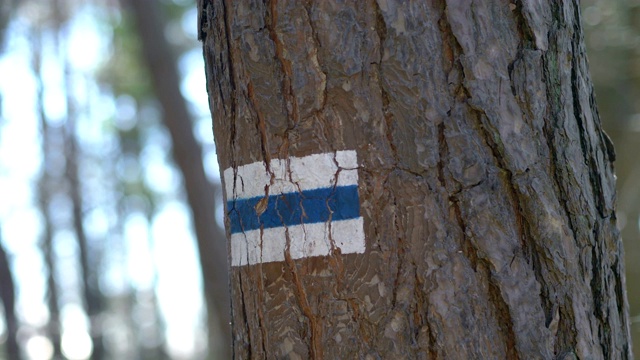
124 72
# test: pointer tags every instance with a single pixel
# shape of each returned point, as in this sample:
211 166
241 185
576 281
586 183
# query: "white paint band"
307 240
292 175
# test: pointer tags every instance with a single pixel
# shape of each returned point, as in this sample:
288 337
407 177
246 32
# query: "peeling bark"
485 180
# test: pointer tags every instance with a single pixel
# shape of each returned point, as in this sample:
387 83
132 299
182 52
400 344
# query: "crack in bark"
565 336
400 255
388 120
561 195
287 88
585 145
524 28
261 291
597 281
442 152
232 83
422 318
337 264
587 149
502 310
524 236
619 291
451 47
552 85
381 29
335 258
316 45
514 194
261 127
510 67
596 290
468 248
244 313
466 245
301 295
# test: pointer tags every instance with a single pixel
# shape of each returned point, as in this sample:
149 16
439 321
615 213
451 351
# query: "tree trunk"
89 258
485 184
46 188
187 154
8 296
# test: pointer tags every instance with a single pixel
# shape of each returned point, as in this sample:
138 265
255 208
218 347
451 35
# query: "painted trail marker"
313 200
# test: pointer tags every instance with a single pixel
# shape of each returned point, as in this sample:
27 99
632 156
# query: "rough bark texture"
187 154
486 182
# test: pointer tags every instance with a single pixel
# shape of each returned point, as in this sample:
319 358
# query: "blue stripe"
307 207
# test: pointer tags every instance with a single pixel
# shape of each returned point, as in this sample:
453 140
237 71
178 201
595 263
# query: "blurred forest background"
110 209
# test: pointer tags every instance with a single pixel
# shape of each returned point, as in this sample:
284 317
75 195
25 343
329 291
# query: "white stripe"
292 175
306 240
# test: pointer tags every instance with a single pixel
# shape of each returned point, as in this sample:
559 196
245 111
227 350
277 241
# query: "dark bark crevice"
381 31
596 289
578 111
261 127
316 45
260 307
380 28
271 21
442 152
314 322
226 69
565 334
491 140
400 259
524 28
503 316
549 61
244 313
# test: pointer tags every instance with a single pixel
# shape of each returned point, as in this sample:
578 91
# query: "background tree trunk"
8 297
485 181
46 188
187 154
88 255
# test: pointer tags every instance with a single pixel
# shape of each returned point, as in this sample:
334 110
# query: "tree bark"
485 182
187 154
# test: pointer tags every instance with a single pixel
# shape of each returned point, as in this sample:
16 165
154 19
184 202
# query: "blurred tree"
161 62
8 296
7 286
45 190
92 184
7 9
89 265
485 181
88 258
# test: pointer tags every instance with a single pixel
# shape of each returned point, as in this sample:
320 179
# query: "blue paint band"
307 207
